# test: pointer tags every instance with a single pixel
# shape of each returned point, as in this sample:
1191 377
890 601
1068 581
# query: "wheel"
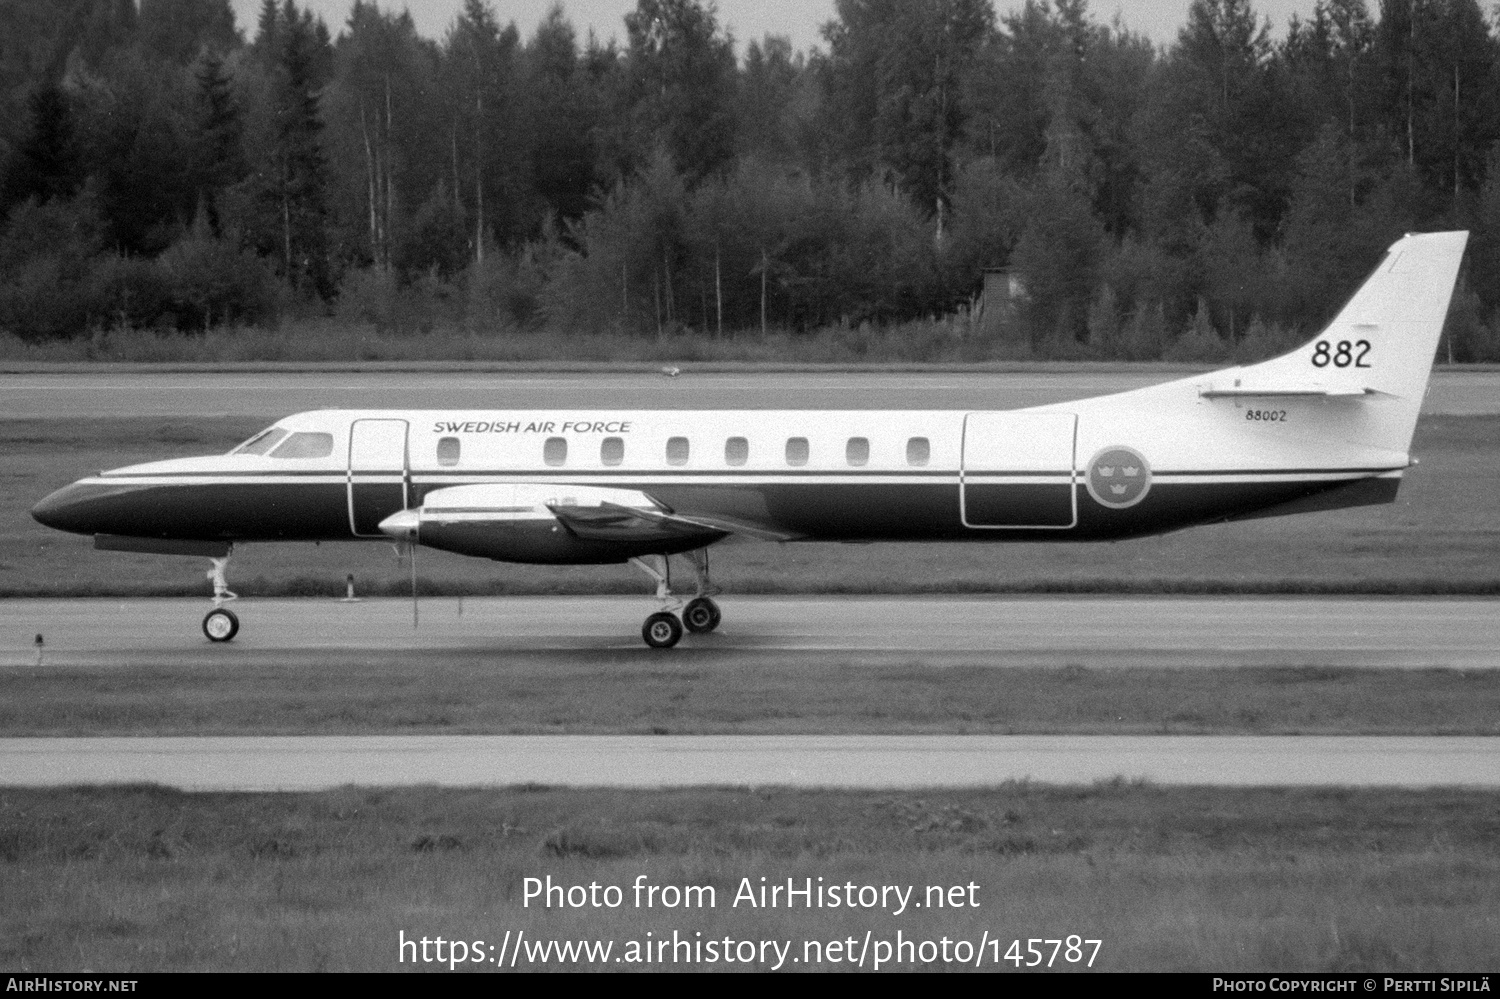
700 615
220 625
662 630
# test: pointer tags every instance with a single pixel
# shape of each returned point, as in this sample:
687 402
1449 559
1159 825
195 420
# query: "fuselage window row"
678 449
612 450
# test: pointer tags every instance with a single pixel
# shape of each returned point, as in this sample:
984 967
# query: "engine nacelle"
546 524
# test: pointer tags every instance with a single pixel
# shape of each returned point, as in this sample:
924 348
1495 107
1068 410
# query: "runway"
998 631
272 395
311 763
1156 631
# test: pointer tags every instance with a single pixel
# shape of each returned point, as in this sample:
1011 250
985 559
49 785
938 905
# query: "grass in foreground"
1169 879
1440 537
336 693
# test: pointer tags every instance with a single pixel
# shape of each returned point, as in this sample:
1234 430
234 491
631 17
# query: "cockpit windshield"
305 445
261 442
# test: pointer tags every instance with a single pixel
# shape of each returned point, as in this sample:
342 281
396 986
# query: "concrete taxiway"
272 395
1004 630
309 763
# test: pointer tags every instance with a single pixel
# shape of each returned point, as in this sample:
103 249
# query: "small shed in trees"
1002 294
1002 286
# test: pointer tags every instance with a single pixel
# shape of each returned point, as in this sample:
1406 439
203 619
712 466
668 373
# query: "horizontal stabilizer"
1290 392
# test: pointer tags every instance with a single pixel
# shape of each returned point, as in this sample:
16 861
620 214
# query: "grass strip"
485 692
145 878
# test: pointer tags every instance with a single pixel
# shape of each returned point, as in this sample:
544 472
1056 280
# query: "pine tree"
896 84
268 31
48 163
177 30
220 154
293 181
562 121
682 76
479 58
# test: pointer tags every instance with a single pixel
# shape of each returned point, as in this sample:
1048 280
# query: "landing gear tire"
701 615
662 630
220 625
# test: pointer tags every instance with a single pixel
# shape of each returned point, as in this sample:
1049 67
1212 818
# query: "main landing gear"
220 624
663 629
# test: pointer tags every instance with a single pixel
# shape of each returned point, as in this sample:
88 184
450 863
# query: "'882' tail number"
1341 354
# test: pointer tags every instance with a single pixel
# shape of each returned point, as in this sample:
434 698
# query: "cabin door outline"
1019 471
379 473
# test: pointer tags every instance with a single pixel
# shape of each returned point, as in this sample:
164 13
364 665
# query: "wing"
585 519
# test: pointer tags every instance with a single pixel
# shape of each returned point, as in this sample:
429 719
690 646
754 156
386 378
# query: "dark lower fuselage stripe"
244 510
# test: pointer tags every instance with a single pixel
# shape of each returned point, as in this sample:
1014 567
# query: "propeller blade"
416 528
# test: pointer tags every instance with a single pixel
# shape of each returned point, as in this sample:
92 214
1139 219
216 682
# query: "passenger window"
736 451
555 451
448 450
796 450
612 450
305 445
677 450
261 442
918 451
858 451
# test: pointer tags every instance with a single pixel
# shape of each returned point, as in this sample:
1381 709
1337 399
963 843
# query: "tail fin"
1379 347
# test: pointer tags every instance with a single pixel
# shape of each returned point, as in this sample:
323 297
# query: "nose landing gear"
221 624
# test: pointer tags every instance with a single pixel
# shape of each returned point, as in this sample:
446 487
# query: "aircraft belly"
931 512
313 512
828 511
372 502
231 511
1010 504
1172 505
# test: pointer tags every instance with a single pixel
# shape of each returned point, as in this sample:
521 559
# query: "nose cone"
65 510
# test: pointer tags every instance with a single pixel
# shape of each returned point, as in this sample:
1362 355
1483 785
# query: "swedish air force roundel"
1119 477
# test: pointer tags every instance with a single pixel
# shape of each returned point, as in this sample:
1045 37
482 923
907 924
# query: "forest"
165 170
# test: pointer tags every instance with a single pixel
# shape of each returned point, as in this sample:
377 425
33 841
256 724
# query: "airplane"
1326 426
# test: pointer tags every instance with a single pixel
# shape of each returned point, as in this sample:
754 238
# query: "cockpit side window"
305 445
261 442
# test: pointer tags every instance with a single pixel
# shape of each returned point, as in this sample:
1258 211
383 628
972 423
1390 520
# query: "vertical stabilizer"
1380 345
